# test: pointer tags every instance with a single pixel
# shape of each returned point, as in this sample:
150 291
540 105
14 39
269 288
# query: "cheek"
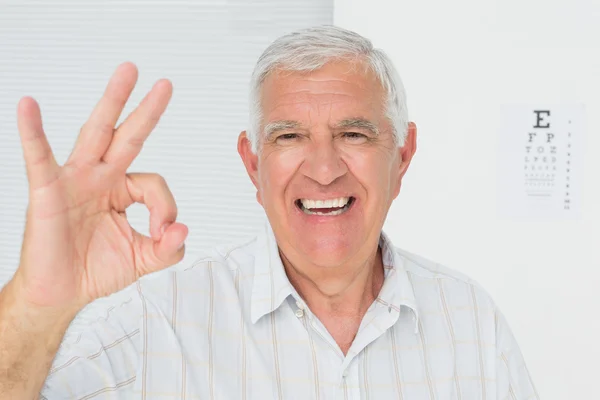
372 169
276 171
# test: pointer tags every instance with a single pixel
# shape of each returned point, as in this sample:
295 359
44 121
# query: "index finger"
96 134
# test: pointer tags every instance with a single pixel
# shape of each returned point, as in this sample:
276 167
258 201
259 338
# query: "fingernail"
181 246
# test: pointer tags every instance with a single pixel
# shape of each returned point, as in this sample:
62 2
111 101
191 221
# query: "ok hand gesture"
78 244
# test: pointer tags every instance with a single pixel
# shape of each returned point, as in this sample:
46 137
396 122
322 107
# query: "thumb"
169 250
39 160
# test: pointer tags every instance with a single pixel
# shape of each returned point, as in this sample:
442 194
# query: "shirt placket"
350 370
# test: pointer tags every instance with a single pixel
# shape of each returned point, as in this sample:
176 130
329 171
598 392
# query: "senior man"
320 305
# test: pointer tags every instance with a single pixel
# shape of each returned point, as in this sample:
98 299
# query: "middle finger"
133 132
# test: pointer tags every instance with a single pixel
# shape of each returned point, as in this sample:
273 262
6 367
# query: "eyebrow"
360 123
276 126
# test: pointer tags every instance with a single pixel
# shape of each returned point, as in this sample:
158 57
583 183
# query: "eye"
355 136
286 137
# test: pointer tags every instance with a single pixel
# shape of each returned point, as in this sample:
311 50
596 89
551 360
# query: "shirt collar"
271 285
397 290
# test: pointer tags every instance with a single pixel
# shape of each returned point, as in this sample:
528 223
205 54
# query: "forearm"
29 339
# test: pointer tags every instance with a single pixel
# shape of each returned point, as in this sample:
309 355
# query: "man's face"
328 169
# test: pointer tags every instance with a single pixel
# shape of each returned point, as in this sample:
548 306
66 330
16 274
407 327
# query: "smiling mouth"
329 207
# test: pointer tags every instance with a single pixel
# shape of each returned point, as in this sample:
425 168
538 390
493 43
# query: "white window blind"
63 52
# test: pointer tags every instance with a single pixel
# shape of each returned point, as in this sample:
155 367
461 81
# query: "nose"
323 163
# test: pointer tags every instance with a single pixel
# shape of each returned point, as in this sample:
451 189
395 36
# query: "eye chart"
539 161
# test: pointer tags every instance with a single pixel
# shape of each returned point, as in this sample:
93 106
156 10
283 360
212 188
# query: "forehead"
338 90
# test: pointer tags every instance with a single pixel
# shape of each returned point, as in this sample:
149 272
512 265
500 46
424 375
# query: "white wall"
460 60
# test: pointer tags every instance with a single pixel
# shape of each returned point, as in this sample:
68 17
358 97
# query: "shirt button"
345 373
299 313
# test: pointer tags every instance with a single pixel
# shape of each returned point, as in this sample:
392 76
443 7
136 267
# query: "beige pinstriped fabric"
232 327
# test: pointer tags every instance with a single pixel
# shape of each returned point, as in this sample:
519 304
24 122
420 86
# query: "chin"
328 252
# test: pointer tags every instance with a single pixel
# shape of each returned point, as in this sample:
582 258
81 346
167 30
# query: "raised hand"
78 245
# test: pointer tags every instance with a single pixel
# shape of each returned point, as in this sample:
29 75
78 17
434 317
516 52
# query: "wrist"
32 316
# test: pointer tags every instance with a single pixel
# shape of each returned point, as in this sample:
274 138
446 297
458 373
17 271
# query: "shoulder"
110 310
443 281
218 269
429 269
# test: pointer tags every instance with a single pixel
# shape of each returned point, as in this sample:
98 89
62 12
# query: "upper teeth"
341 202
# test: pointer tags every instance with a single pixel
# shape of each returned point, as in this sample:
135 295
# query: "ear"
406 153
249 159
408 150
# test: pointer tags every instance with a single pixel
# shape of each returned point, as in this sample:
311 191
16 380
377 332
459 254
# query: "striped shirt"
231 326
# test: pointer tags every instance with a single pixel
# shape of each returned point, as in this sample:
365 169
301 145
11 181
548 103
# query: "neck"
347 290
339 297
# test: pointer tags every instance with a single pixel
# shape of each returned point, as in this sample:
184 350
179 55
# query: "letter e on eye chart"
539 161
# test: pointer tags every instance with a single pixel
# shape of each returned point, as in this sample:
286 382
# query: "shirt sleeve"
97 358
513 379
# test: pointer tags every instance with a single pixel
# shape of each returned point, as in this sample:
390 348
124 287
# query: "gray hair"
310 49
